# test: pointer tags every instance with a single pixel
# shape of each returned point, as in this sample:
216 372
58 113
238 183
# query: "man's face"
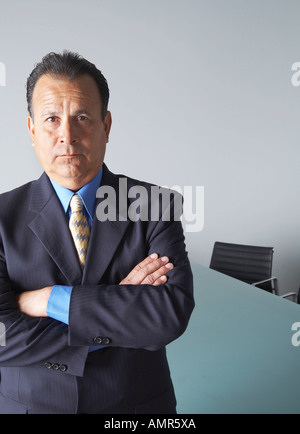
67 129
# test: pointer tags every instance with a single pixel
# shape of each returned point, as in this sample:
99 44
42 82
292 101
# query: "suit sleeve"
31 341
138 316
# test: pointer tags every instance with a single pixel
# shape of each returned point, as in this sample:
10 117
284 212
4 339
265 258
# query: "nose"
68 134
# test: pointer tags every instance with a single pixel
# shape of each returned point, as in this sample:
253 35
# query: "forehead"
61 91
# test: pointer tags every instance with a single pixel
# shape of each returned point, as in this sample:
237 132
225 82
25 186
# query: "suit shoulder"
115 180
18 191
13 198
157 202
150 187
132 181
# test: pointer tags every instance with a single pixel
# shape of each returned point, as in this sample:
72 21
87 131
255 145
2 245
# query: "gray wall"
201 94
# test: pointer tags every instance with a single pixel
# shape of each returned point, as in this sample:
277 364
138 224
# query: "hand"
151 271
34 303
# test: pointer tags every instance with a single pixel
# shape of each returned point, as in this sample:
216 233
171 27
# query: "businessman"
88 303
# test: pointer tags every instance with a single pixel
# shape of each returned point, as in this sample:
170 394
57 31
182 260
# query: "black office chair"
250 264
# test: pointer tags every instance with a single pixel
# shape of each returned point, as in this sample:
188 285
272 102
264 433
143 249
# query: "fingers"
137 273
156 272
151 271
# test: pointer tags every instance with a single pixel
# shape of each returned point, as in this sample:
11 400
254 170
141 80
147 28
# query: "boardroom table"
237 354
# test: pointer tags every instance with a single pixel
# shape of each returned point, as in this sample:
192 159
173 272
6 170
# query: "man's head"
68 120
69 65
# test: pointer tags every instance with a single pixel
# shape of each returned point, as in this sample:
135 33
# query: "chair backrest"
247 263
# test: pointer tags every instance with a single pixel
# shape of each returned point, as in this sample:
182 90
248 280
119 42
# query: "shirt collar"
87 194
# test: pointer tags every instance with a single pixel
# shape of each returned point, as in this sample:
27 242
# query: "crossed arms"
151 271
145 308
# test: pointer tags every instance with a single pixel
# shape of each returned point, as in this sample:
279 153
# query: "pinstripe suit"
45 366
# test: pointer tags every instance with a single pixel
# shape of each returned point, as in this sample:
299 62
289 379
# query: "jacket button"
63 368
98 340
55 366
48 365
106 341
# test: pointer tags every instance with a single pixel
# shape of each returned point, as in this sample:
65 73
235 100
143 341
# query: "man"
88 303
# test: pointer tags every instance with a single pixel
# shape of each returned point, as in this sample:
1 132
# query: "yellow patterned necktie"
79 228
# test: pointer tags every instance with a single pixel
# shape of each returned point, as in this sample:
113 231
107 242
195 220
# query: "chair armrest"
274 279
290 294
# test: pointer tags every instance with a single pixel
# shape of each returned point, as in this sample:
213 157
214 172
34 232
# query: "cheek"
41 154
99 150
45 138
96 146
44 151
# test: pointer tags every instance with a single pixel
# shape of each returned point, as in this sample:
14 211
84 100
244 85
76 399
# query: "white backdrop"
201 95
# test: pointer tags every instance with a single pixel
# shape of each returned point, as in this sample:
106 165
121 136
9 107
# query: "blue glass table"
237 354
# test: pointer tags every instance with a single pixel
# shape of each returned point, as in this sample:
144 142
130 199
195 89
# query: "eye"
51 119
82 118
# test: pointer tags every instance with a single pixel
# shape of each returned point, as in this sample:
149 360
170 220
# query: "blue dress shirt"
59 301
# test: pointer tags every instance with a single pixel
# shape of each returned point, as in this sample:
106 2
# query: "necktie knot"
76 203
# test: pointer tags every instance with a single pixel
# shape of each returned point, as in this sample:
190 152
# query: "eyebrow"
44 114
78 112
85 111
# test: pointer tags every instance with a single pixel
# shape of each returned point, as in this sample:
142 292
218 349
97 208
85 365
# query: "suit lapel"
51 228
105 236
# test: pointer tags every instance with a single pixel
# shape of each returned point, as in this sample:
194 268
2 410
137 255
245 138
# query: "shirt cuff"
59 303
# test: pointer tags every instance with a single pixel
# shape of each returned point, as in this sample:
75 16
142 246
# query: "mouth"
69 155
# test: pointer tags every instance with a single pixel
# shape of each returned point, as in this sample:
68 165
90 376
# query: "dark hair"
70 65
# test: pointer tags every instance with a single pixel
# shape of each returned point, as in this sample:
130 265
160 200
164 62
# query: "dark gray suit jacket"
45 366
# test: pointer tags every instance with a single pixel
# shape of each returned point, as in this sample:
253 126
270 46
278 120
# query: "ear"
107 125
30 126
